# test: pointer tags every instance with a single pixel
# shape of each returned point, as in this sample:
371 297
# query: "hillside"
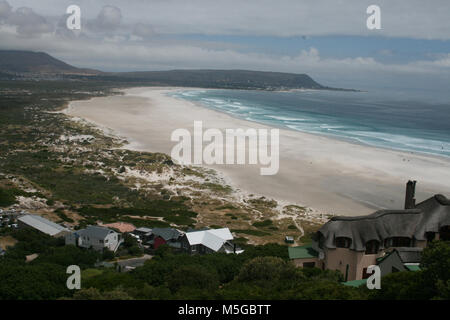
13 61
221 79
26 65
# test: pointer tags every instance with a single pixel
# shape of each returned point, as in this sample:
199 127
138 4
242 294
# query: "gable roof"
167 233
429 215
409 254
213 239
302 252
143 230
42 224
95 232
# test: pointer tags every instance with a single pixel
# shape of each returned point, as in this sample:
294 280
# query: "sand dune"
330 175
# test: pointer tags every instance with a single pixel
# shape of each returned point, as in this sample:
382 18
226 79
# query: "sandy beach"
329 175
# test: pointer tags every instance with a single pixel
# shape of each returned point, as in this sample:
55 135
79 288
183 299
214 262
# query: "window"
101 241
343 242
321 240
365 275
372 247
397 242
444 233
430 236
309 264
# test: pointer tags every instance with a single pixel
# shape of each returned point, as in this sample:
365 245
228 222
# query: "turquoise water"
387 120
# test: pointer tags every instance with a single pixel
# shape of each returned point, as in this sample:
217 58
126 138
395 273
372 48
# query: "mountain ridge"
23 65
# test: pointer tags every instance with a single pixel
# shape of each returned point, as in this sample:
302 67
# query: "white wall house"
209 241
95 237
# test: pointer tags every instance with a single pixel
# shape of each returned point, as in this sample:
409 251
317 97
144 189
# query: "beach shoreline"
330 175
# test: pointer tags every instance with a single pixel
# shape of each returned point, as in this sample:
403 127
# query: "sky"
327 39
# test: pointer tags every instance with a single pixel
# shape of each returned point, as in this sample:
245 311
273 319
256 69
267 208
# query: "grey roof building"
42 224
351 244
167 233
400 259
418 224
95 237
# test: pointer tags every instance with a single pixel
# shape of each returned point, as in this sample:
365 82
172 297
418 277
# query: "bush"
7 198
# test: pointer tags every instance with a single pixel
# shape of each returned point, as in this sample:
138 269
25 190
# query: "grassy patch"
251 232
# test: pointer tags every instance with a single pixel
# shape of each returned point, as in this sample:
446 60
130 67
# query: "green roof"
412 267
302 252
355 283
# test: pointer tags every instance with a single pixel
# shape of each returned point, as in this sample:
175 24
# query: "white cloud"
143 30
28 23
5 10
400 18
108 19
129 36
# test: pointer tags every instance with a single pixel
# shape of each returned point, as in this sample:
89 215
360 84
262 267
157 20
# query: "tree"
193 277
436 265
266 270
436 261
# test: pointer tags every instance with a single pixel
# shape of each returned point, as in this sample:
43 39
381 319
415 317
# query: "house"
351 244
209 241
145 234
400 259
43 225
95 237
168 236
289 239
303 256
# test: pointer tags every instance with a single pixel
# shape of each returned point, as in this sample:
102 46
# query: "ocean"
382 119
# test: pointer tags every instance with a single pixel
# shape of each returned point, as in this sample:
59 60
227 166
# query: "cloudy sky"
329 40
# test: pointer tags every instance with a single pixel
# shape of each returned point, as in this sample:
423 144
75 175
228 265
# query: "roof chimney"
410 200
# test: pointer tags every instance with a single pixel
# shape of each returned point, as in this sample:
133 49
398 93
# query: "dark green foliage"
69 255
8 195
266 271
31 241
107 254
436 261
95 294
173 211
264 223
32 282
63 216
252 232
193 277
131 245
7 198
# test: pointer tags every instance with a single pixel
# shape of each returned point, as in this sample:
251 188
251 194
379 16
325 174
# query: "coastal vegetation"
73 173
261 272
